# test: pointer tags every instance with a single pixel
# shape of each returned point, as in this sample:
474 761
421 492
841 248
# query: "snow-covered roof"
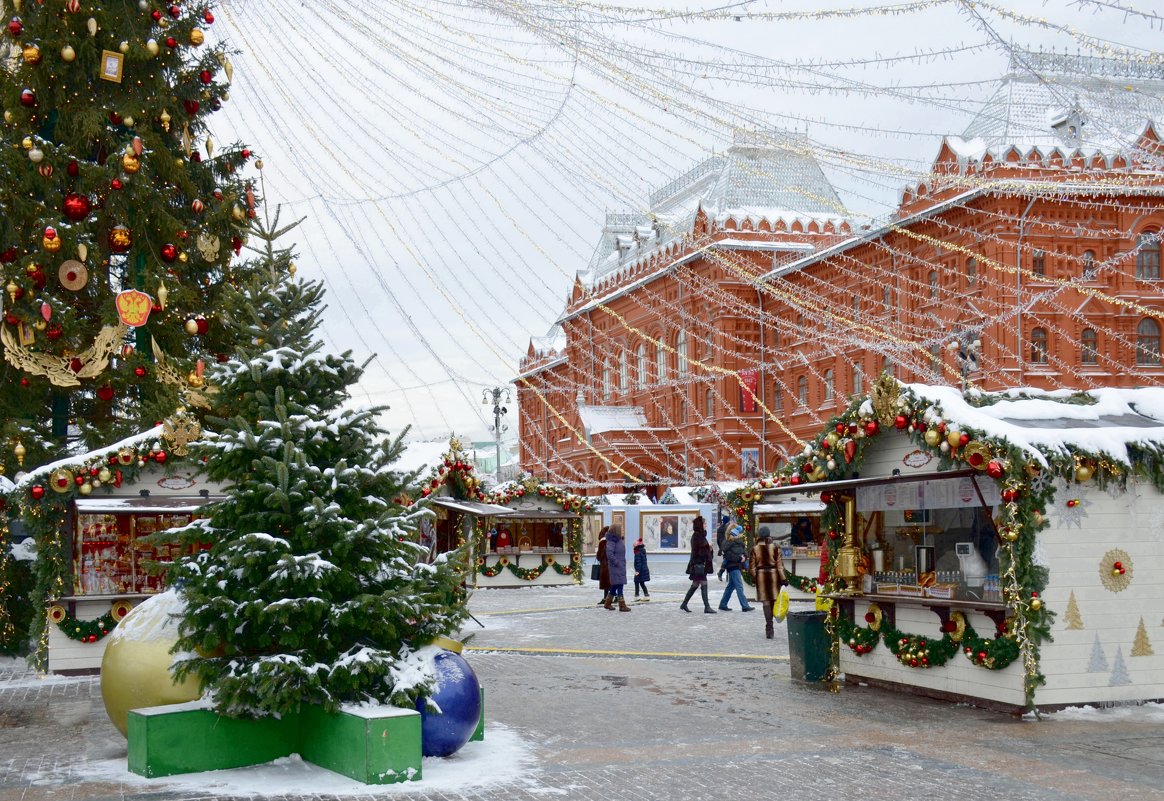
1042 423
763 176
553 343
599 419
1106 101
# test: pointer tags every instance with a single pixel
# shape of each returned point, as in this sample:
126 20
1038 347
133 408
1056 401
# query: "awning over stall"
789 507
474 508
542 514
160 504
851 483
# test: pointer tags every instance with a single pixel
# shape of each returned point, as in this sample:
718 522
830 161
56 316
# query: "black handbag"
596 572
698 569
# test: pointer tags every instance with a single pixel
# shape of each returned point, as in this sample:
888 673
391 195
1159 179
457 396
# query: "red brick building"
709 335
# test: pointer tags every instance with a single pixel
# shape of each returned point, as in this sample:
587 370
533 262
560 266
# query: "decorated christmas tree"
314 589
119 218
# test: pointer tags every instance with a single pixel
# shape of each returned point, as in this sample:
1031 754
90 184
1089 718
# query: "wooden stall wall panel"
1100 652
66 654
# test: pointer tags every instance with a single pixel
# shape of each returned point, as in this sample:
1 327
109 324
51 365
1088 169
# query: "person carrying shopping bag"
699 566
733 563
767 570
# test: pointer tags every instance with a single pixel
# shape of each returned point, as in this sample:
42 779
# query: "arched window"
709 402
933 283
1148 256
858 379
1039 346
661 364
1089 346
681 354
830 385
971 271
1148 342
606 380
641 360
1089 265
802 390
778 399
1039 262
888 367
623 377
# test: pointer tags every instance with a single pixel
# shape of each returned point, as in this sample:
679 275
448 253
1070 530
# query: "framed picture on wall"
749 463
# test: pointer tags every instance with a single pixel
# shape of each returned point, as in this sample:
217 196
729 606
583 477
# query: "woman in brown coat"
603 571
767 569
699 566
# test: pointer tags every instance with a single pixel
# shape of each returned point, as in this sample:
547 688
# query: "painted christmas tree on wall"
119 217
315 588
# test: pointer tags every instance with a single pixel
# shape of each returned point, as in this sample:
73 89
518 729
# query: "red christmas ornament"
206 76
964 439
994 469
28 98
807 467
24 382
209 18
115 184
15 27
197 206
169 253
826 496
236 244
73 169
171 42
1009 495
1071 504
975 459
139 371
105 393
840 428
8 256
156 15
45 170
871 428
850 451
76 364
900 422
76 207
11 319
37 492
203 325
78 480
833 534
160 457
115 118
870 617
794 480
53 332
73 6
175 12
191 107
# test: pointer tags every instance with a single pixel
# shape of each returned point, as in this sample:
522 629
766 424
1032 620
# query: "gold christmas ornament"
73 275
152 48
92 26
194 380
82 251
1036 604
31 54
51 244
85 489
191 326
165 120
125 456
197 37
135 669
68 53
163 293
1115 570
130 163
58 369
954 438
932 437
120 237
182 428
61 480
12 289
123 47
19 452
1083 473
104 475
26 143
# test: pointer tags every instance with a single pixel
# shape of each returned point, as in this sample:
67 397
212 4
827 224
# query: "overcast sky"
454 165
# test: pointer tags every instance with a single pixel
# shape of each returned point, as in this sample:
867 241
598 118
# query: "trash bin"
808 645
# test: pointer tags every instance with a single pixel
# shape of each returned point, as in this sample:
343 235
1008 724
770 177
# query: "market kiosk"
95 518
1007 553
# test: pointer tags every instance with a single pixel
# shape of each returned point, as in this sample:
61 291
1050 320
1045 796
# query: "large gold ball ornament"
152 47
26 143
1083 473
135 670
126 456
954 438
1036 604
31 54
197 37
193 379
52 245
932 437
130 163
123 47
192 326
68 54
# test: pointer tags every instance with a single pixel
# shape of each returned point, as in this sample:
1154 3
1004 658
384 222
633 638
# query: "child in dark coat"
642 572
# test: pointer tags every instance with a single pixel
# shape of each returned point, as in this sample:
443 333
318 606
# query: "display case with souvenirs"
116 554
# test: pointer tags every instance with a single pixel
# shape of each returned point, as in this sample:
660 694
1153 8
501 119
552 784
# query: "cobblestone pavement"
658 704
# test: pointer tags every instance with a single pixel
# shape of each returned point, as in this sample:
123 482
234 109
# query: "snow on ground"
1111 714
503 758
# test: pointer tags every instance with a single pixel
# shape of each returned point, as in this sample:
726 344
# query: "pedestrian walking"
616 568
642 571
734 551
767 569
699 566
603 572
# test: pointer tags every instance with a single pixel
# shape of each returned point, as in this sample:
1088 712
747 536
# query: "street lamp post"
965 346
497 396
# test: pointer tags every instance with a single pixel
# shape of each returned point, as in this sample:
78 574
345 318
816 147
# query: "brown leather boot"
622 607
606 603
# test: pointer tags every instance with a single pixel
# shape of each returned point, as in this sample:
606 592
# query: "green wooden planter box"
373 747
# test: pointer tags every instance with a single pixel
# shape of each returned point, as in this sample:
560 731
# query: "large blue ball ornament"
458 694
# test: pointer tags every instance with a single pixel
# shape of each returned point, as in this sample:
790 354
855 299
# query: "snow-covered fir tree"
314 589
